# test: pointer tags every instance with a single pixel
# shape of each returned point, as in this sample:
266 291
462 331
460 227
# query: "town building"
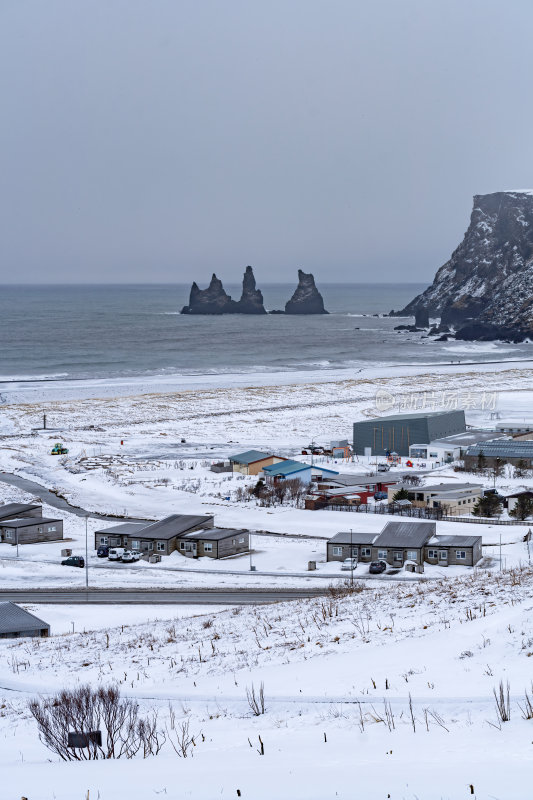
252 461
500 451
289 469
16 622
215 543
30 530
152 537
396 433
18 510
456 498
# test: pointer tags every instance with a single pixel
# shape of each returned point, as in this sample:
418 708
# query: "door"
443 557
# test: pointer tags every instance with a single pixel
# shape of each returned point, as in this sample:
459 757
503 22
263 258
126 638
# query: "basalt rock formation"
306 299
214 300
486 288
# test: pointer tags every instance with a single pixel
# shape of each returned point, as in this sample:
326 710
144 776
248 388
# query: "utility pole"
86 561
528 539
500 552
17 534
250 548
351 556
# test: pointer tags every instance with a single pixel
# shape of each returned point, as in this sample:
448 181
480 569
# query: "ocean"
82 332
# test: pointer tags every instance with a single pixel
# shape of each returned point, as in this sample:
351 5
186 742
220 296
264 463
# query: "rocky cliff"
214 299
486 288
306 299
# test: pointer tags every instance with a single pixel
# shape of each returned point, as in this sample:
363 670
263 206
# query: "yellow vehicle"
59 450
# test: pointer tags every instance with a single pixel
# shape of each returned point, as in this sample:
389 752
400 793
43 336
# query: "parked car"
115 553
103 551
73 561
130 555
380 495
349 563
383 467
377 567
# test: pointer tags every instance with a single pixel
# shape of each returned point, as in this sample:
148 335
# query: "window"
234 541
432 554
337 551
460 555
443 555
114 541
9 534
160 547
382 554
398 555
366 551
39 530
355 552
412 555
51 528
241 540
182 545
103 540
208 547
135 544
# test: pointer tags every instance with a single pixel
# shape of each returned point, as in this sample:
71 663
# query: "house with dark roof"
252 461
508 451
153 537
16 622
404 541
289 469
215 543
30 530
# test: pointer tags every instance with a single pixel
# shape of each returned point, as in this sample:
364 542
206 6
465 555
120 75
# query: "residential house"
30 530
252 462
448 551
215 543
511 499
16 622
289 469
400 542
350 544
153 537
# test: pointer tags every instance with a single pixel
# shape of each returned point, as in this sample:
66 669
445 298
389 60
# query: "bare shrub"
256 700
503 702
83 710
182 740
527 710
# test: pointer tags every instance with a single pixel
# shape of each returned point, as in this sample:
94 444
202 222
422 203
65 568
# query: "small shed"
16 622
252 461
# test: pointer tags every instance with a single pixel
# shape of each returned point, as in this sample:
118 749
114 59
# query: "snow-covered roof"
14 619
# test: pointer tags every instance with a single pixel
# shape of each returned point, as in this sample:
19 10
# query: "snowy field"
339 671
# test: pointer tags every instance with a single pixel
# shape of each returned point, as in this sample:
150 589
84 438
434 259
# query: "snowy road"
180 597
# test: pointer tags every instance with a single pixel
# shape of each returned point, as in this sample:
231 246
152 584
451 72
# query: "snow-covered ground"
445 639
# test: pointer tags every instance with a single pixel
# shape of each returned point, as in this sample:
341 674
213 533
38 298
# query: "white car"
115 553
130 555
349 563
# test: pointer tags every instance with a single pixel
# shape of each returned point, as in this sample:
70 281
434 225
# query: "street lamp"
86 561
351 558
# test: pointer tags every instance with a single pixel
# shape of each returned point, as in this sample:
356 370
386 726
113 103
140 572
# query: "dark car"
73 561
103 551
377 567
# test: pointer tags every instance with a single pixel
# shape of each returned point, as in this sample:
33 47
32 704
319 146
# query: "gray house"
454 551
350 545
17 510
397 432
215 543
153 537
29 530
509 451
402 541
16 622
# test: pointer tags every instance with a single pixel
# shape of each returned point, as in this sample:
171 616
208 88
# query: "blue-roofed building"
252 462
296 469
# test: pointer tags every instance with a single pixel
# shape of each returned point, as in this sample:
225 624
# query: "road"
157 596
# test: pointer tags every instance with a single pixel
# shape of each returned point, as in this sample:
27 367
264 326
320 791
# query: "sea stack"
251 301
485 290
212 300
306 299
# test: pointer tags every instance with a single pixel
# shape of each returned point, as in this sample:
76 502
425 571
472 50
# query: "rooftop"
441 488
504 448
25 522
215 534
13 618
287 467
405 534
250 457
175 525
355 538
14 509
414 415
455 541
125 528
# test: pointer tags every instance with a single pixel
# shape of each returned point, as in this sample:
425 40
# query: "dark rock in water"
410 328
276 311
488 280
422 317
251 301
212 300
443 338
434 331
306 299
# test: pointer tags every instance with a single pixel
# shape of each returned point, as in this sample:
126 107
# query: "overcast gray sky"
162 140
